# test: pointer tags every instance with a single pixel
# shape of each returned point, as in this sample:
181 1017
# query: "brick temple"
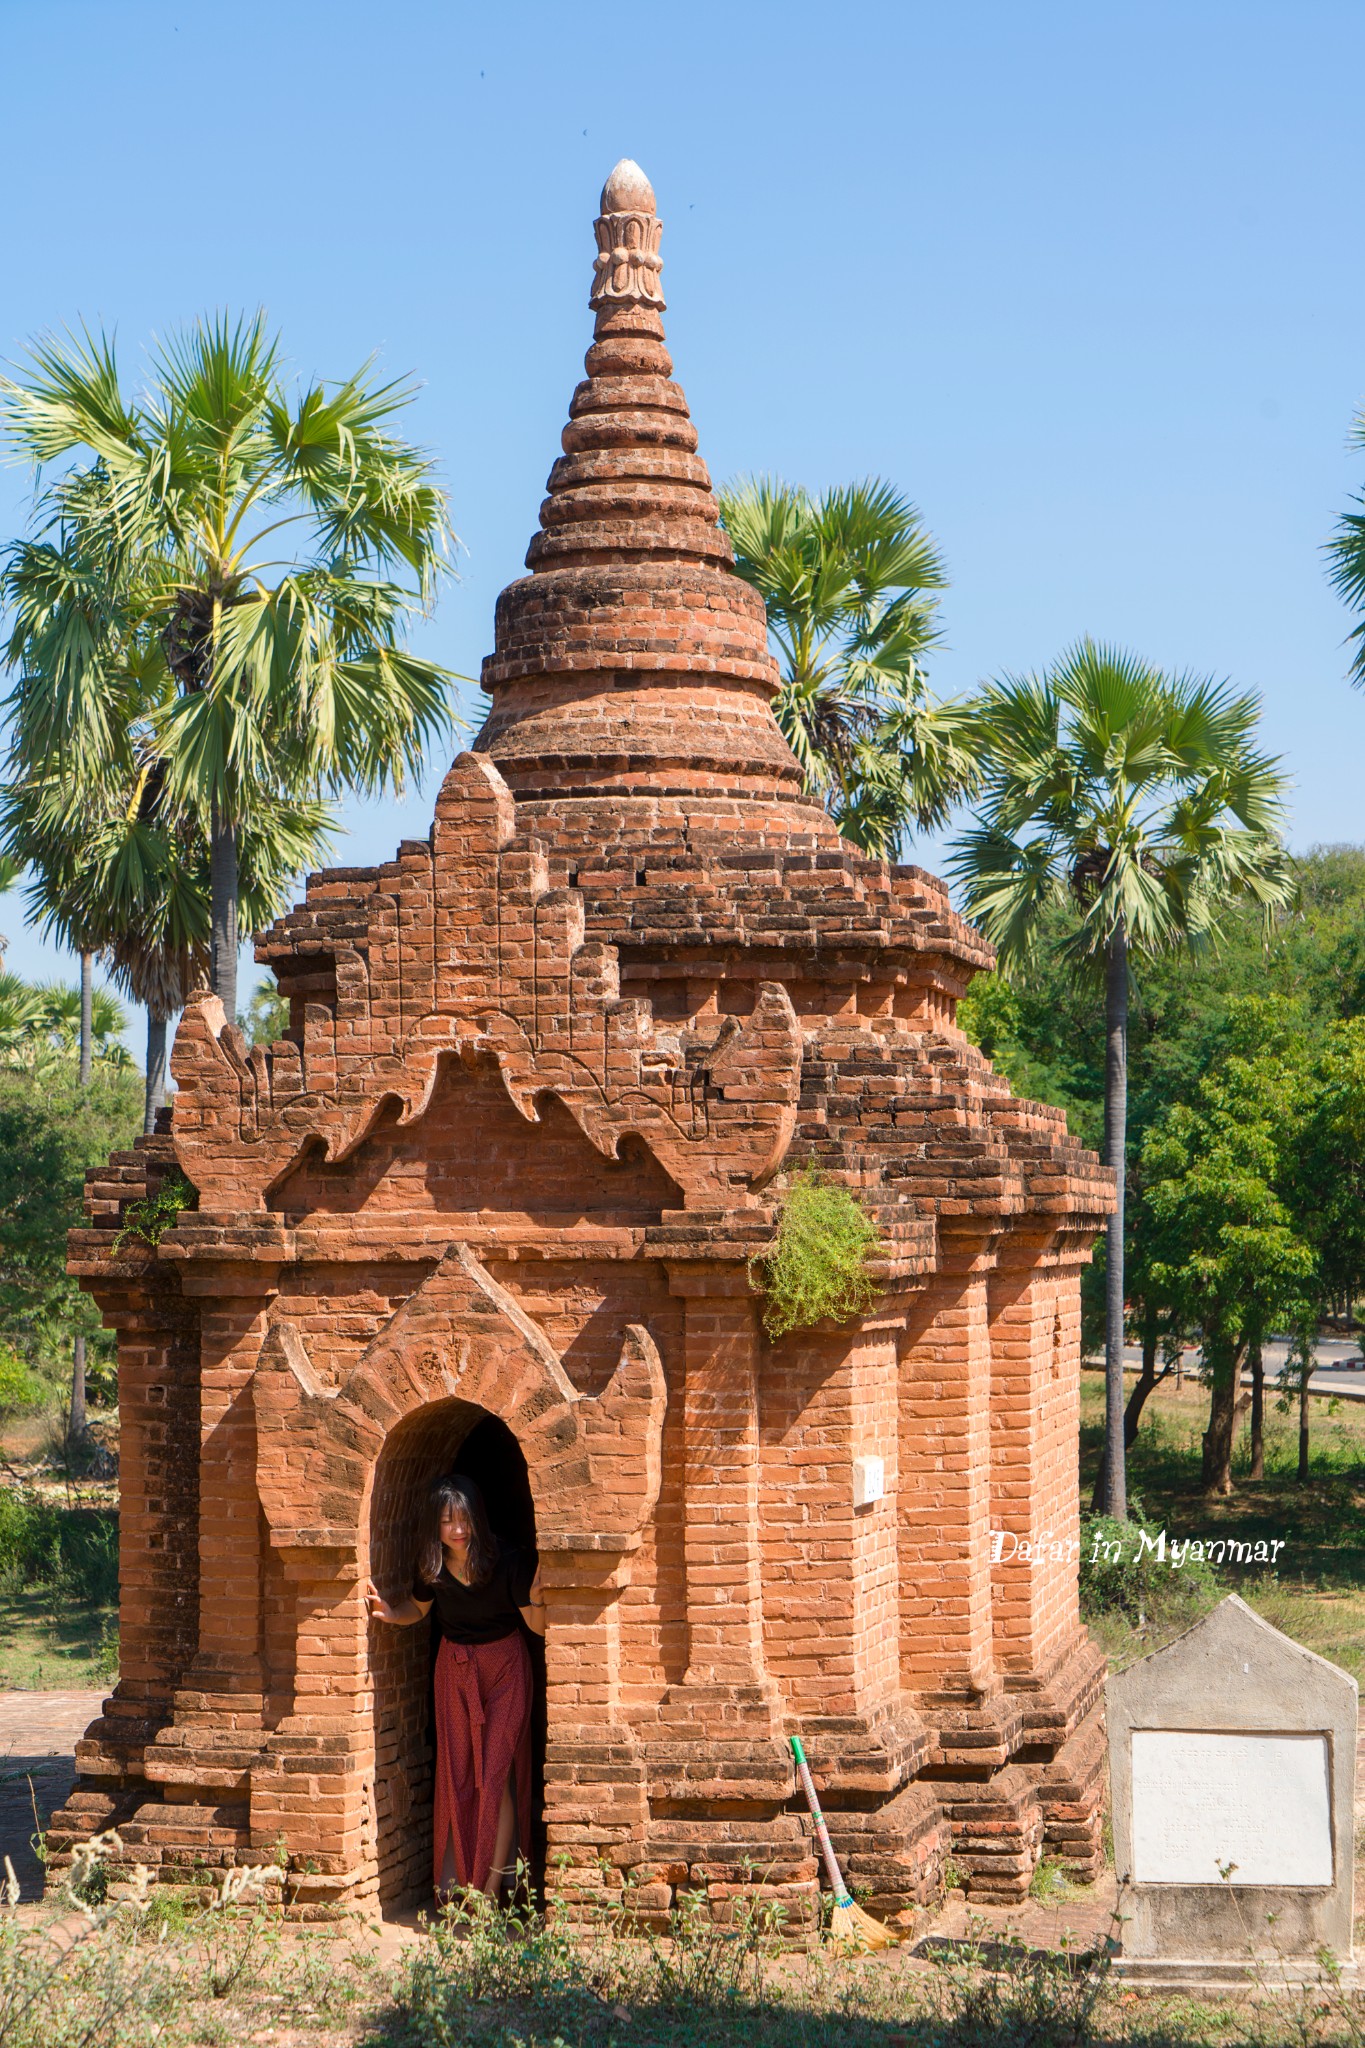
490 1204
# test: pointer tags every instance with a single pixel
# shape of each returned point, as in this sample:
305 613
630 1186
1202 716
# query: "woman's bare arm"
533 1614
401 1613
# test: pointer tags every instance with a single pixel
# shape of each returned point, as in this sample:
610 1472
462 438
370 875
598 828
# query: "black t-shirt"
486 1613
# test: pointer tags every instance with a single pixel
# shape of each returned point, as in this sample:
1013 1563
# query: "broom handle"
842 1895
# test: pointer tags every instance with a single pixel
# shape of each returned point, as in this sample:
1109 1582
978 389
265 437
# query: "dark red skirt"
483 1732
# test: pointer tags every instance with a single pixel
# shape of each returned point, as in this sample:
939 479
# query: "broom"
848 1923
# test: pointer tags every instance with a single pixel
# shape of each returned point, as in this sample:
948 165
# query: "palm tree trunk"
87 1024
1114 1493
76 1423
1257 1412
156 1069
223 911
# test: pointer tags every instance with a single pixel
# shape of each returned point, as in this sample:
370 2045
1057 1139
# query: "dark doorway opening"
491 1456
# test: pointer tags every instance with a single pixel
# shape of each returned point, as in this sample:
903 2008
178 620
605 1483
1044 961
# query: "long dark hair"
454 1490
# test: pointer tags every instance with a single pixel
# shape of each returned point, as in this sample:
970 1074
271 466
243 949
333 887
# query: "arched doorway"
444 1436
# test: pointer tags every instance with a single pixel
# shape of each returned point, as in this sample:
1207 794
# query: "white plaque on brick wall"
1204 1800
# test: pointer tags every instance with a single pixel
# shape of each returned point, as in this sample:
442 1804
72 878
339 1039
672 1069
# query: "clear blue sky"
1085 279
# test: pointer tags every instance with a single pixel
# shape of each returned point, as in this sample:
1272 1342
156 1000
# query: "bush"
817 1265
73 1550
19 1388
1120 1574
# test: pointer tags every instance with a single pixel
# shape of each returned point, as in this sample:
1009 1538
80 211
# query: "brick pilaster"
944 1511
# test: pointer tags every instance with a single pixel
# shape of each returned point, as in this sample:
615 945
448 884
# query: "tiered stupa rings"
632 660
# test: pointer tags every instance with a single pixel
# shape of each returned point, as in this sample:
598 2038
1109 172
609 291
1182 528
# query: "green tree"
1327 1168
850 581
51 1129
1122 812
219 586
1232 1253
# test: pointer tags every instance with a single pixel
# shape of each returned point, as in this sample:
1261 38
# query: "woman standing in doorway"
482 1590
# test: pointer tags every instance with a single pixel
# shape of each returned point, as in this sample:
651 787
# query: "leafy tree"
218 587
1122 812
50 1131
1233 1254
850 581
18 1387
1327 1167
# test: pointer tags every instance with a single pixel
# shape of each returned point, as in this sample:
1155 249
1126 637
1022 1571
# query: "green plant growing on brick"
816 1267
149 1220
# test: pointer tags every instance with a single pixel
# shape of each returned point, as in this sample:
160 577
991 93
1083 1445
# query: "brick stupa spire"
633 660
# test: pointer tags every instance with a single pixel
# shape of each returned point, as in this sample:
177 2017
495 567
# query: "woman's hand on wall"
533 1613
379 1607
401 1616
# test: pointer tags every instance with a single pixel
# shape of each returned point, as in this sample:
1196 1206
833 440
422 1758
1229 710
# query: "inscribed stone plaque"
1201 1800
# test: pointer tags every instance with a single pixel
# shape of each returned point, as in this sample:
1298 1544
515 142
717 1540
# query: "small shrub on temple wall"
149 1220
817 1265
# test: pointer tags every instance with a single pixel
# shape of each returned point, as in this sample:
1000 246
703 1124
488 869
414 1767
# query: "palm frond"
1138 797
850 584
70 398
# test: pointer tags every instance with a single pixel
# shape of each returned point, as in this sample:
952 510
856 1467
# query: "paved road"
38 1736
1340 1369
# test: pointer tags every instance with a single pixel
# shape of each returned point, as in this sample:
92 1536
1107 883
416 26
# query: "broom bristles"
849 1923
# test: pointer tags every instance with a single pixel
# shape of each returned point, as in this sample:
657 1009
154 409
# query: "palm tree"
77 1020
850 583
1137 805
163 901
220 584
57 893
40 1024
1346 562
19 1019
120 863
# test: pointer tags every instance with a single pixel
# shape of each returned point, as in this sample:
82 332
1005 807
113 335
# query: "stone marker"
1232 1763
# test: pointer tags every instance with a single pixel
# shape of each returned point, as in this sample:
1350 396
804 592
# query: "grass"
58 1591
1316 1591
139 1973
49 1644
